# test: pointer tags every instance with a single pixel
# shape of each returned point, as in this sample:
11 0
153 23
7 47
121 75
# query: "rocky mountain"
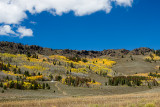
14 48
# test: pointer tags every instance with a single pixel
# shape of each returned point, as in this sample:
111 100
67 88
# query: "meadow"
127 100
70 81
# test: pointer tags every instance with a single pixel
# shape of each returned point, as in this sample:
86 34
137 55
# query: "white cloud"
6 30
24 32
11 13
124 2
32 22
20 32
14 11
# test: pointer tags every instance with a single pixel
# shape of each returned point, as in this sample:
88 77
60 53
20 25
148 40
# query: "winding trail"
59 89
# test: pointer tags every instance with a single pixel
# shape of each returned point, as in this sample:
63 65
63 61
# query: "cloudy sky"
81 24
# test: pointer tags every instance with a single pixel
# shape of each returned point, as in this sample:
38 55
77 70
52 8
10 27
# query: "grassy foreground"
126 100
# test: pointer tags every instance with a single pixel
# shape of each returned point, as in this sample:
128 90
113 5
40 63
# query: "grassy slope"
127 100
124 66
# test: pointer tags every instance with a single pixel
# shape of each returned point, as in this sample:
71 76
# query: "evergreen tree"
93 81
26 73
43 86
48 87
67 72
19 71
7 78
1 84
39 73
46 84
72 66
4 87
51 76
15 70
28 54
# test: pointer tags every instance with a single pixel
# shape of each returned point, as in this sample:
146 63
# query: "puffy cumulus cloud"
20 32
6 30
10 13
23 32
14 11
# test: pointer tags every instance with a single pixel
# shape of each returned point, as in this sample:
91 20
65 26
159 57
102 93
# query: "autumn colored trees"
129 80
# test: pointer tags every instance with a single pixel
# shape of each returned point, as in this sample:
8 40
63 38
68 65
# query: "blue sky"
124 27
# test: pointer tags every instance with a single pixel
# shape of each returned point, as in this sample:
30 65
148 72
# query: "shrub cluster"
127 80
32 85
75 59
154 75
157 52
148 60
77 81
4 67
58 78
35 56
102 73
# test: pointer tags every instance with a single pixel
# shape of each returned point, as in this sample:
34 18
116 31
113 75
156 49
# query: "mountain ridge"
19 48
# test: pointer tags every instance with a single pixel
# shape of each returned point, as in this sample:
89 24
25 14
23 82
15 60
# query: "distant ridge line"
19 48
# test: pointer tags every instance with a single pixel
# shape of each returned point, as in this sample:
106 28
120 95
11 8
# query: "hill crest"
14 48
